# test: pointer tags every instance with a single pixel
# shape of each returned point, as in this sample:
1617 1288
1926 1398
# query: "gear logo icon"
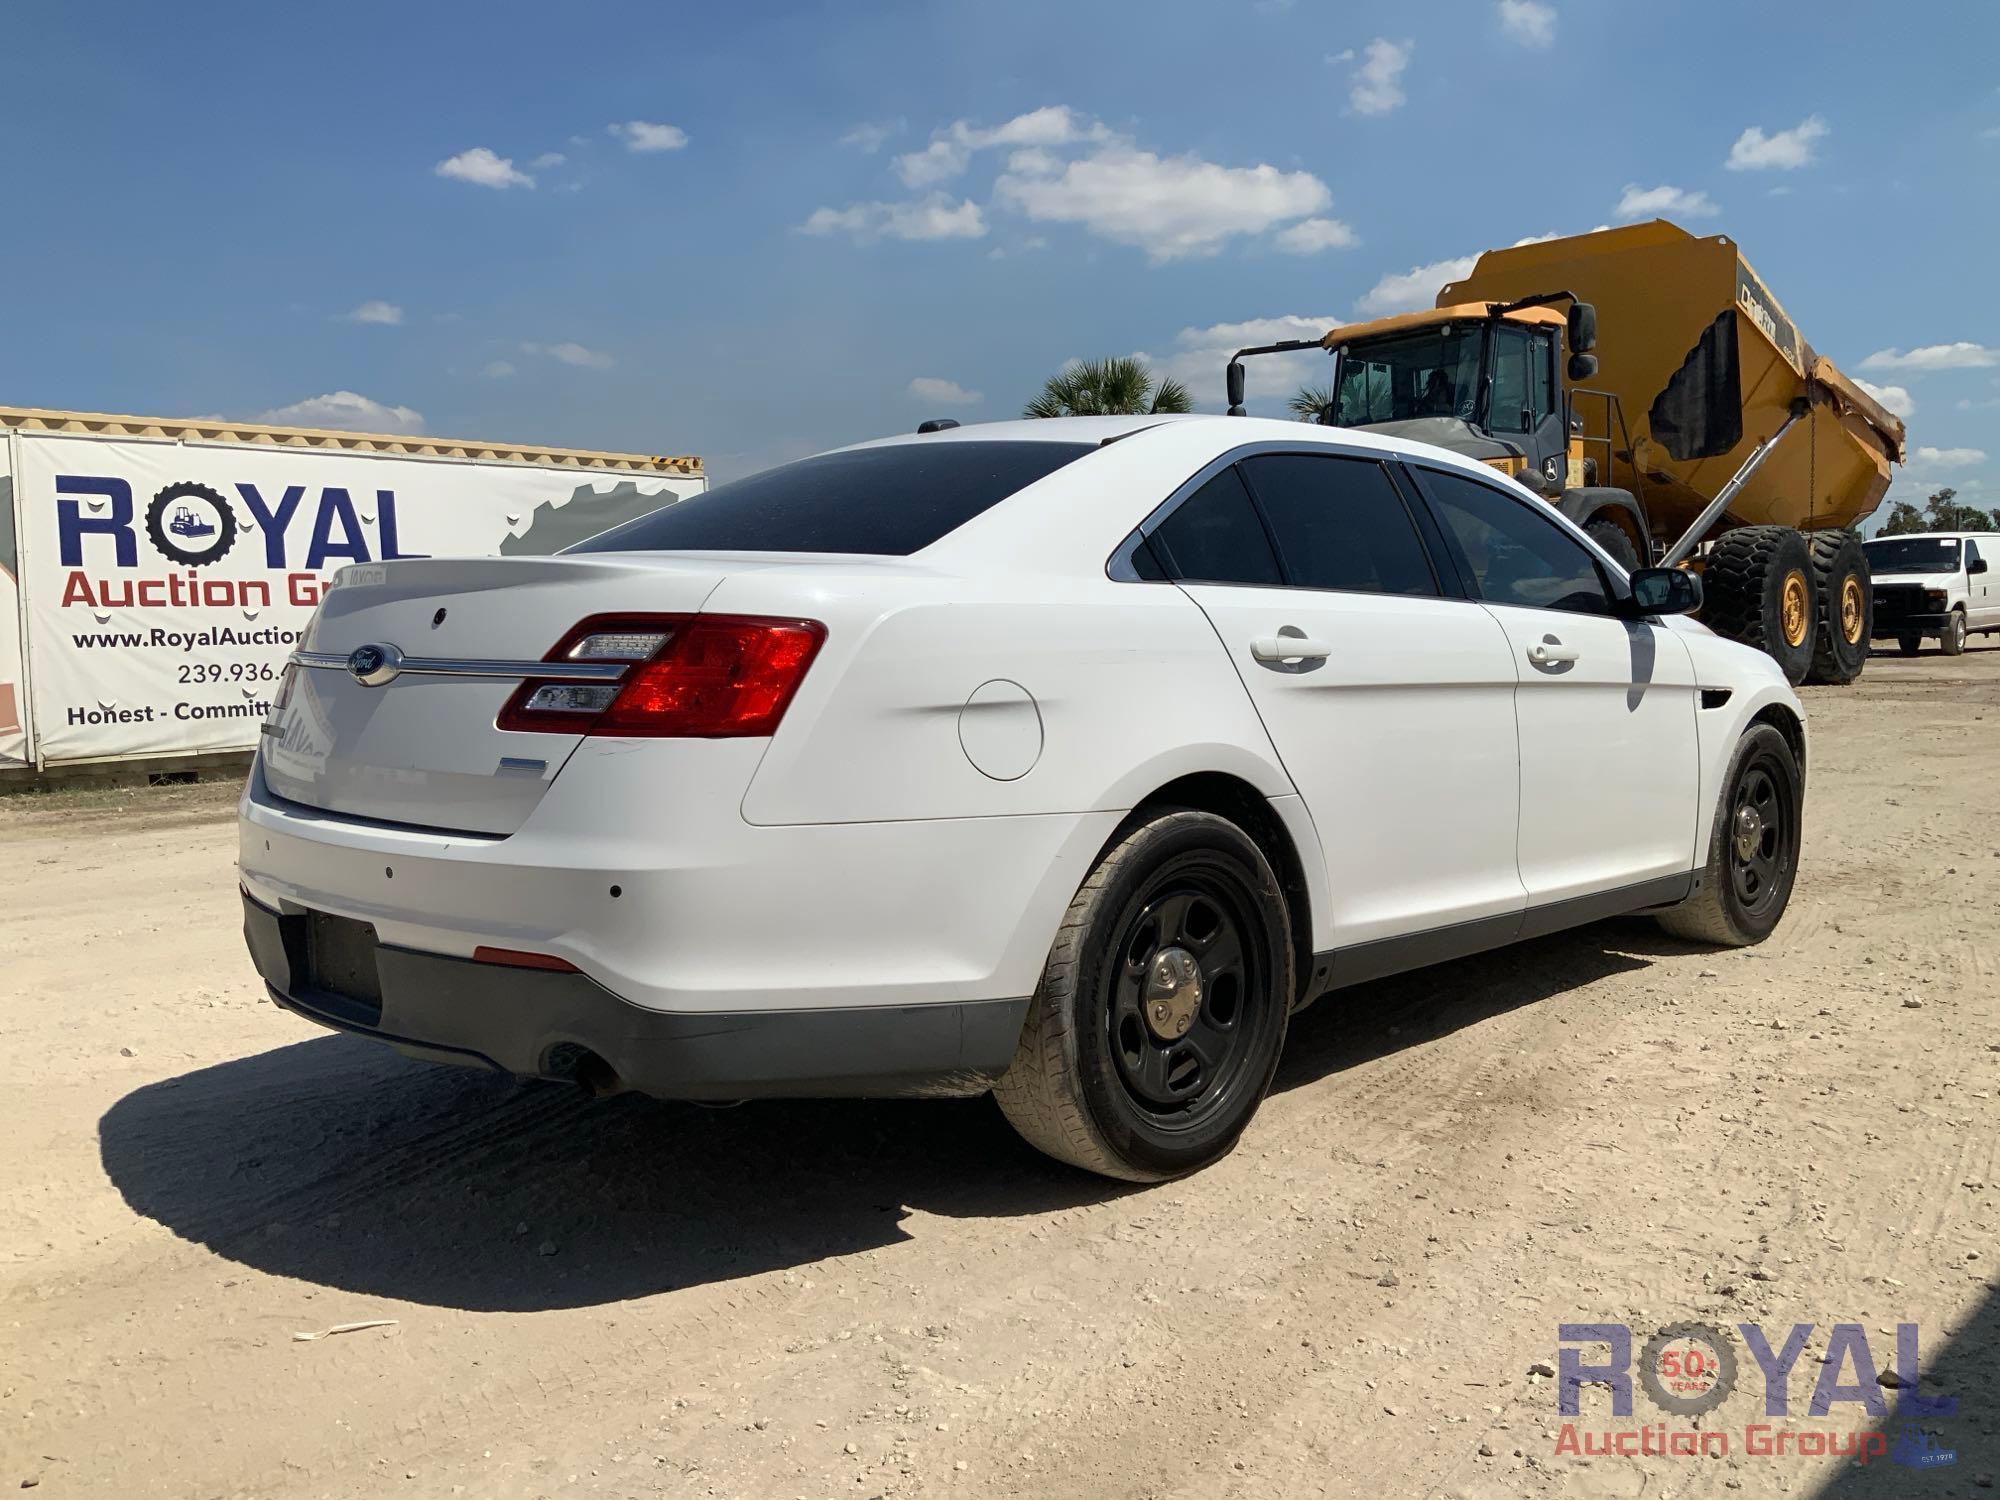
1688 1368
191 523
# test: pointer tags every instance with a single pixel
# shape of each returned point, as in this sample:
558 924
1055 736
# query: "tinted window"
1340 524
1510 554
889 501
1214 536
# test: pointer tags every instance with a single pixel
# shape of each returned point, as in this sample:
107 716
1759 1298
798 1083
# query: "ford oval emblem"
373 665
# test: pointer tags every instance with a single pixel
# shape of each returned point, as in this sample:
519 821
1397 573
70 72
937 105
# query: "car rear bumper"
567 1026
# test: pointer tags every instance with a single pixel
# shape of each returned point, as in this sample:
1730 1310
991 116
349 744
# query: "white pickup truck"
1940 583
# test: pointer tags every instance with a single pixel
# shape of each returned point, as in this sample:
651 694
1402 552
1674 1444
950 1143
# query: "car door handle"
1551 652
1289 648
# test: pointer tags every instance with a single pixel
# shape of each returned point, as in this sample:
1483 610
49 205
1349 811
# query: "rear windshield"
1913 554
890 501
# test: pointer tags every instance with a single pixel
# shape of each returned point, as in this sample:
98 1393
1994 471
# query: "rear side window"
888 501
1340 524
1214 536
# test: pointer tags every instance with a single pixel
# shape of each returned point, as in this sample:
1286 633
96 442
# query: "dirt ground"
629 1298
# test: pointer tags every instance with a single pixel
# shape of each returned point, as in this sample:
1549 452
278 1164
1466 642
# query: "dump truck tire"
1611 537
1759 587
1846 607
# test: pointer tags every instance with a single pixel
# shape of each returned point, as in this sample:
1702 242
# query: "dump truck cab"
1708 434
1480 379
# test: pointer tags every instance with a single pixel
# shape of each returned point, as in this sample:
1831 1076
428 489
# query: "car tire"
1611 537
1952 641
1846 607
1758 582
1101 1078
1909 645
1745 886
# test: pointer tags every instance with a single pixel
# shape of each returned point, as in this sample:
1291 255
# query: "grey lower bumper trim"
534 1021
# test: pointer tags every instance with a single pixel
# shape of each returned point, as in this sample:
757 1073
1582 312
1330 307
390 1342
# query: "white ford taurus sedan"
1065 759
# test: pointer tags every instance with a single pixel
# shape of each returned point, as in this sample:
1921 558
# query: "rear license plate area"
340 966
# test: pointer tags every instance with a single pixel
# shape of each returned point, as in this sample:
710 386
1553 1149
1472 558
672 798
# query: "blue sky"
745 231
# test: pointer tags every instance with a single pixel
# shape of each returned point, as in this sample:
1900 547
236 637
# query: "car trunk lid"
414 740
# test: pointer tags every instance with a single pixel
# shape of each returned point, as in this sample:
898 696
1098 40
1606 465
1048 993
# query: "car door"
1982 599
1390 704
1606 705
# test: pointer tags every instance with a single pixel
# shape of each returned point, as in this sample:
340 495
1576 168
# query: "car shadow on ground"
1931 1453
337 1162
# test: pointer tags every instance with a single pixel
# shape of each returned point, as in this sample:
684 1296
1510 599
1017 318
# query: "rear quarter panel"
1130 689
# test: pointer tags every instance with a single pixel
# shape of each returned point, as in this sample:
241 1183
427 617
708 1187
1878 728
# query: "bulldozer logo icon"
191 523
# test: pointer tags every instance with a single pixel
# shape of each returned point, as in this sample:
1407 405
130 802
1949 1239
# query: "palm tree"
1309 402
1121 386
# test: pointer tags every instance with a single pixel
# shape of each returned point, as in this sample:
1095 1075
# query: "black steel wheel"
1162 1009
1753 853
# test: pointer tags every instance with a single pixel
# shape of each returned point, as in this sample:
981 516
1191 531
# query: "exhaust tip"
571 1063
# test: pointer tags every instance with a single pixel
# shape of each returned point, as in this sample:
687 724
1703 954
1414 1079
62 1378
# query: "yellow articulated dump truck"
1702 431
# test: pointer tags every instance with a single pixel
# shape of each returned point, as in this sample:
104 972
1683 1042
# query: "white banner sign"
166 582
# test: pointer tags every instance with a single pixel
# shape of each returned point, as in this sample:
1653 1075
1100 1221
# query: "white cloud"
1200 354
1894 397
548 159
347 412
1958 356
1642 203
643 135
1950 458
1528 22
482 168
1170 207
497 369
869 137
1378 82
950 149
1310 236
933 391
933 218
572 354
1783 150
375 311
1407 291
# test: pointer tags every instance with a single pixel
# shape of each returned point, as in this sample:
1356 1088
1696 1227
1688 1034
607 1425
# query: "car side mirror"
1665 591
1977 565
1232 378
1582 367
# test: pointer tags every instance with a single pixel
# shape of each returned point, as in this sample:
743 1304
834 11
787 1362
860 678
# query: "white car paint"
981 717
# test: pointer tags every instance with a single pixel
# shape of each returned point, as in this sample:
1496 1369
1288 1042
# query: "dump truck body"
1702 362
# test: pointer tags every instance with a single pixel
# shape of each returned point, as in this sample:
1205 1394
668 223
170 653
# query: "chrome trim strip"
458 666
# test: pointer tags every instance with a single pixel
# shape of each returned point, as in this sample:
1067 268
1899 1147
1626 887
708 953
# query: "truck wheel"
1758 583
1909 645
1952 642
1753 850
1161 1012
1846 607
1611 537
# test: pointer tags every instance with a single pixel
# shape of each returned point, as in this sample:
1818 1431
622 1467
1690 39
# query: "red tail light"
691 676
